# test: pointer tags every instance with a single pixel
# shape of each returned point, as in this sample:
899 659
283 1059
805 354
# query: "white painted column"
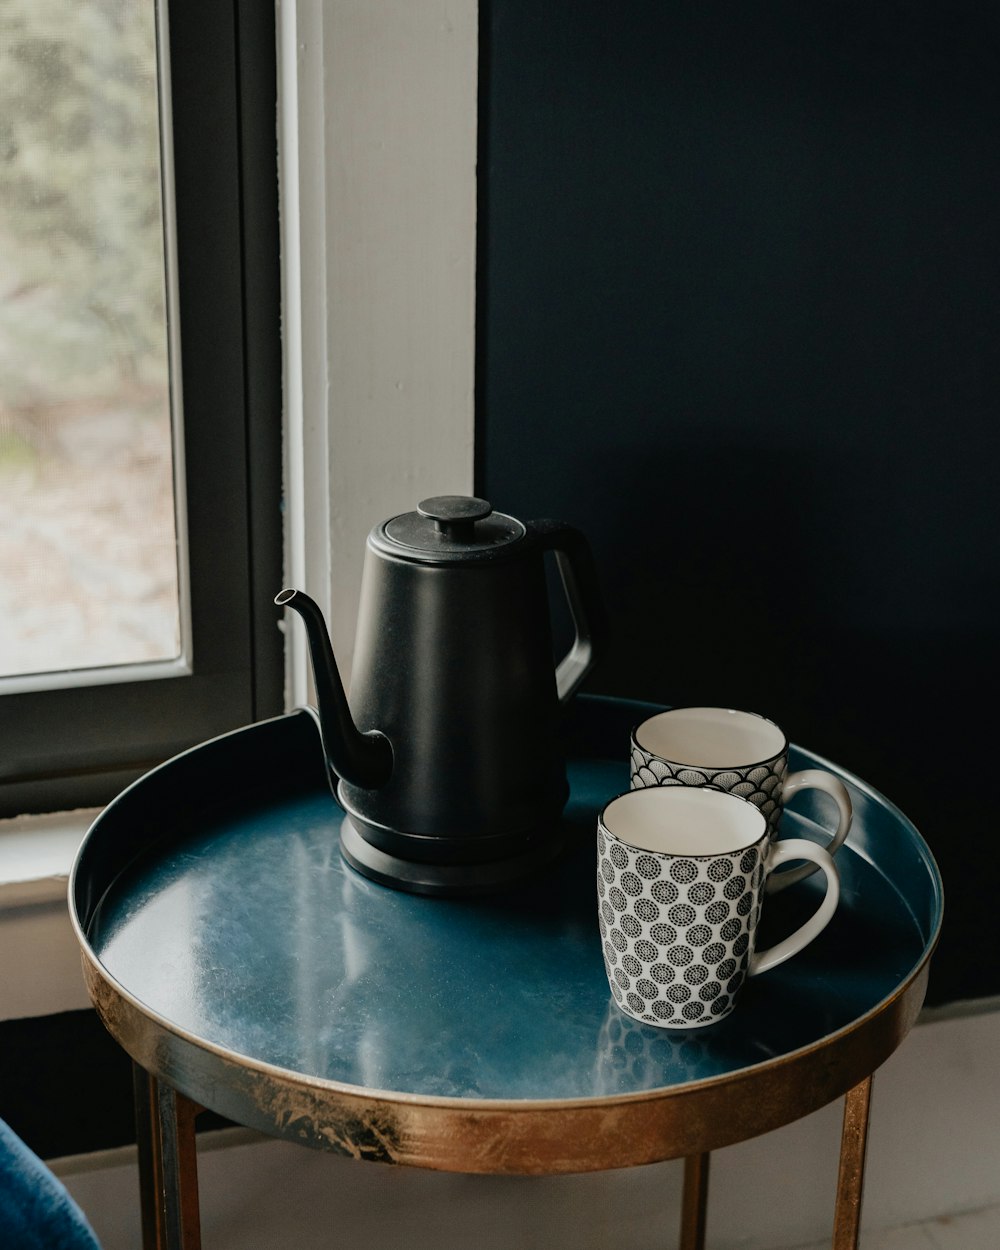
378 168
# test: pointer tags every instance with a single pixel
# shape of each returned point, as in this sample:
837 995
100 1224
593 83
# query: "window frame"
77 747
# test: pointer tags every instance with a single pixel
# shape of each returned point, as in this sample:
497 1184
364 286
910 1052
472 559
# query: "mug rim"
715 768
713 795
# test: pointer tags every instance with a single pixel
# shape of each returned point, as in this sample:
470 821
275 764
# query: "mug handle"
815 779
780 853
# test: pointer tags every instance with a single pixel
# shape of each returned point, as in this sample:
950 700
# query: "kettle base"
447 880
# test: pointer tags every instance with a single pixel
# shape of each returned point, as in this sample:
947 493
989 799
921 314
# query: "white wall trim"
301 164
378 133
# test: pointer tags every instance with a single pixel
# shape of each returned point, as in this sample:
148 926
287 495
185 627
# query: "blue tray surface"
245 927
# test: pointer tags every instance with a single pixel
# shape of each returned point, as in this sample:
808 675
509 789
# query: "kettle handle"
575 562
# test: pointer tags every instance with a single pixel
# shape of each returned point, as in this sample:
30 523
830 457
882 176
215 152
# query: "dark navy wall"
740 321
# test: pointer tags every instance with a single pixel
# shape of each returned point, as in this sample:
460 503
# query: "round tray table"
247 969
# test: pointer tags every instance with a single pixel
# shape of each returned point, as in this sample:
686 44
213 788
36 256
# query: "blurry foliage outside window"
88 532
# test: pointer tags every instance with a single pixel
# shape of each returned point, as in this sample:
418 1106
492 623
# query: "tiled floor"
977 1230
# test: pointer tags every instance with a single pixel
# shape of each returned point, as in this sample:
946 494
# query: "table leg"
168 1165
694 1206
851 1179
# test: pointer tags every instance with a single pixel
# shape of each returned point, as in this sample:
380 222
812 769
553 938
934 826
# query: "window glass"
89 515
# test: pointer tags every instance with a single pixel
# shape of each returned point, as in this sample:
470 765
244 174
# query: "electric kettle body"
447 761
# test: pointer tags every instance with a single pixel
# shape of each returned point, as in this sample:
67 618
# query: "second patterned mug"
742 753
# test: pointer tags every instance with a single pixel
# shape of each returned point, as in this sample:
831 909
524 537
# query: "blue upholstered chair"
36 1210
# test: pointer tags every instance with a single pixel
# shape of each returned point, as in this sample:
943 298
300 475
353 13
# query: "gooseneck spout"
360 759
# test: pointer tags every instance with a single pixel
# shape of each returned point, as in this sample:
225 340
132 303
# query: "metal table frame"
168 1171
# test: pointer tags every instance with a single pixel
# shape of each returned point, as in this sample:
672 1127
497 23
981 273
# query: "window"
92 558
194 321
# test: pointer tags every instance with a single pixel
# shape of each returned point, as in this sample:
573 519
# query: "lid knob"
455 515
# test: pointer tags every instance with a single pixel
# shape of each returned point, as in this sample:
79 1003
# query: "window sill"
40 973
36 855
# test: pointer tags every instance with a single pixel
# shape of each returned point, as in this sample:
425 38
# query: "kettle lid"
447 528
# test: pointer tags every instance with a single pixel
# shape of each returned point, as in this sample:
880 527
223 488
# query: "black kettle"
448 757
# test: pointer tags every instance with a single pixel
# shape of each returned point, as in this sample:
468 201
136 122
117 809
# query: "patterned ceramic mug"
680 883
739 752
